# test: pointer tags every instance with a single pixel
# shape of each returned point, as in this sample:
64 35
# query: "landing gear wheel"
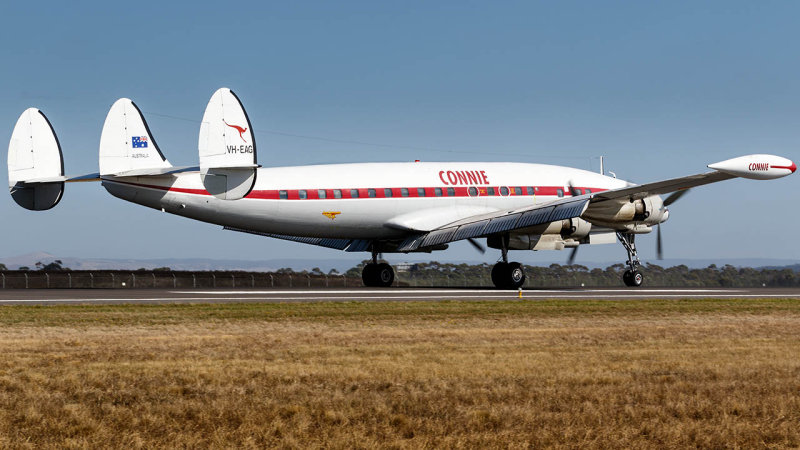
632 278
377 275
508 275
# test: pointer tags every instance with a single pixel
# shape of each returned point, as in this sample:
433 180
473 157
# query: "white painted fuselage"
362 201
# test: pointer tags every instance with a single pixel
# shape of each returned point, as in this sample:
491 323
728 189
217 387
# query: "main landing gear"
632 277
377 274
506 275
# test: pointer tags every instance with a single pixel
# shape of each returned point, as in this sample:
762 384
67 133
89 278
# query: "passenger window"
371 193
337 193
530 190
490 191
587 191
322 193
353 193
284 195
577 191
404 192
473 191
503 190
438 192
302 194
387 192
451 192
420 192
517 191
560 192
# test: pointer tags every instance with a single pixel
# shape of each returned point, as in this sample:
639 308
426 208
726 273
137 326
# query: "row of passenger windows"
421 192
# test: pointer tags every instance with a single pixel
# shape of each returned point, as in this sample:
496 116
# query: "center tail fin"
227 147
126 144
35 164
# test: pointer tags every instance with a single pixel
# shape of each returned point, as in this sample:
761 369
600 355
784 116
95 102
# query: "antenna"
602 167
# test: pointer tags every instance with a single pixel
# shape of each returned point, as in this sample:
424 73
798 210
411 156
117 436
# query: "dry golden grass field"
516 374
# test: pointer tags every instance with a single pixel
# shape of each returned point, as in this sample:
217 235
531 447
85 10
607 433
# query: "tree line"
576 275
555 275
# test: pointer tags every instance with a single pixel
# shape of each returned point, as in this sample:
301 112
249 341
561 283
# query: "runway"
121 296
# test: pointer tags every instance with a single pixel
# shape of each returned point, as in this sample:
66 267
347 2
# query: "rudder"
35 163
227 147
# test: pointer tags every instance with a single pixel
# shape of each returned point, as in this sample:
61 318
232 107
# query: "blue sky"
660 89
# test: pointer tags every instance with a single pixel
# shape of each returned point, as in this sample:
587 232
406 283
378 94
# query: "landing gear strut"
632 276
506 275
377 274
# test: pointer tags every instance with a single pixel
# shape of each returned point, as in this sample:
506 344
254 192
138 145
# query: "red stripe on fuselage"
363 193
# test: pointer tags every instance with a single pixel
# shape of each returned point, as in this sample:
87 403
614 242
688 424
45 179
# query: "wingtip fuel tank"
756 167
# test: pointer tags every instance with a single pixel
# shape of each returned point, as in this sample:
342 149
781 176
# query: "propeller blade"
478 246
659 244
675 196
572 191
572 256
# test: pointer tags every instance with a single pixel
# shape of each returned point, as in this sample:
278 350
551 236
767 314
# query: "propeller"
572 191
572 255
674 197
478 246
659 244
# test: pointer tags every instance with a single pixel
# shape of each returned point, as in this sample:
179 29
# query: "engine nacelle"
638 213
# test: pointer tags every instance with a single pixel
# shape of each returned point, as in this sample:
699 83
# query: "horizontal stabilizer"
35 164
156 172
126 143
227 147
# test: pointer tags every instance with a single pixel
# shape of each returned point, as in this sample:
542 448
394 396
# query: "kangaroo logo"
237 128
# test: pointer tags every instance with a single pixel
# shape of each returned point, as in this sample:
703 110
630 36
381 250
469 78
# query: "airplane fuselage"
364 201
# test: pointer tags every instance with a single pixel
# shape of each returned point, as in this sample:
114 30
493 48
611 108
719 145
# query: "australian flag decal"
139 141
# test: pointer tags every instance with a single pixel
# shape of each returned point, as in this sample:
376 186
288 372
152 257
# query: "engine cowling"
631 215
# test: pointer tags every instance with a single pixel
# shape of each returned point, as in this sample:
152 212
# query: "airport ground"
709 371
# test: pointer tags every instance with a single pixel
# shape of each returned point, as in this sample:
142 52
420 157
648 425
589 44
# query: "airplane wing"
662 187
761 167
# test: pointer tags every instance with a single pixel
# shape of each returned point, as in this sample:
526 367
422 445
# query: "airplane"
398 207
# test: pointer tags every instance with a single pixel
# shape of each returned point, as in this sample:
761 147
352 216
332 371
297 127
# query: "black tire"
632 278
384 275
499 275
368 275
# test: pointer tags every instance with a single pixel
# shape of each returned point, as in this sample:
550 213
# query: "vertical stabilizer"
35 163
227 147
126 144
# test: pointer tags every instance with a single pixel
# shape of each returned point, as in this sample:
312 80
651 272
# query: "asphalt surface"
114 296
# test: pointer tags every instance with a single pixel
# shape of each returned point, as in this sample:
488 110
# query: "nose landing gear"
632 277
